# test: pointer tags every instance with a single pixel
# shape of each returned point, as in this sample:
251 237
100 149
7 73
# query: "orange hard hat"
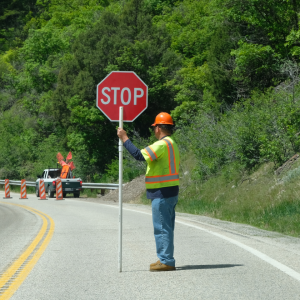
163 118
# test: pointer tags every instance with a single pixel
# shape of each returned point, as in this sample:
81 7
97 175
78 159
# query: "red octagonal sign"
122 89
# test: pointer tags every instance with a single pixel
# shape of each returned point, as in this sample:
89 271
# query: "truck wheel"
37 192
76 195
50 193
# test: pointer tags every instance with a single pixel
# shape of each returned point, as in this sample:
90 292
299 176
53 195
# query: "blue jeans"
163 216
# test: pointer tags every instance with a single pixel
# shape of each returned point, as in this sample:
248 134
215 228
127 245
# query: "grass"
143 199
89 193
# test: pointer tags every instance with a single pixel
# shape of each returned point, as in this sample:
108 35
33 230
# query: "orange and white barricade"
42 190
7 190
23 189
59 191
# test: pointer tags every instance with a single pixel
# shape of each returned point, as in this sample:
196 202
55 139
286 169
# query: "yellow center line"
23 273
18 263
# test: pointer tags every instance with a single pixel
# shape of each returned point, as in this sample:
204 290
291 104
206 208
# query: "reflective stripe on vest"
163 178
151 153
171 156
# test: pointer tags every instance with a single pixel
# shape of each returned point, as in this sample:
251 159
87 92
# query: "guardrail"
85 185
16 182
104 186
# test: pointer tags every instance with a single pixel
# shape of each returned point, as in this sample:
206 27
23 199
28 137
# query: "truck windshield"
53 173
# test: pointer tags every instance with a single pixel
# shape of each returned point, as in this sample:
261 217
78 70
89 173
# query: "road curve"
81 260
14 275
18 227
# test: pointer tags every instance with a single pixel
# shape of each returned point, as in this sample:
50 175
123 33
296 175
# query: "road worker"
162 184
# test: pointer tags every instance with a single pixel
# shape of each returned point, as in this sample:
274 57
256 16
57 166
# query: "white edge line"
253 251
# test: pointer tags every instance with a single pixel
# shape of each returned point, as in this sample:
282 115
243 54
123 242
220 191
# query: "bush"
260 129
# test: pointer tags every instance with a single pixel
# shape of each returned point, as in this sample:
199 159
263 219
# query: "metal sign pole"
120 189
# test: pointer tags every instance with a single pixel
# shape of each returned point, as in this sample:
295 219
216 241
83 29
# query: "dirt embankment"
131 191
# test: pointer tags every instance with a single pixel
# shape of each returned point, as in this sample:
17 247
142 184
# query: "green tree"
130 42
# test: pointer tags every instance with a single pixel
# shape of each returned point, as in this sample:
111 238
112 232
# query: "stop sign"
122 89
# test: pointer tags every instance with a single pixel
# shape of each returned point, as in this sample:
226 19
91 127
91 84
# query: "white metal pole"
120 189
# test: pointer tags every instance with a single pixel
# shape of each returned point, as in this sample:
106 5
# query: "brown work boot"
161 267
155 263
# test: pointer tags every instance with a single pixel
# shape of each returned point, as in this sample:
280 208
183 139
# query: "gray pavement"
18 227
81 260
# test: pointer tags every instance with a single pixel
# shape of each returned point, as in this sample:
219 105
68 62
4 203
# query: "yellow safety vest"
162 164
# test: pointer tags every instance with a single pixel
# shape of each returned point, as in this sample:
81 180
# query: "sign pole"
120 188
121 96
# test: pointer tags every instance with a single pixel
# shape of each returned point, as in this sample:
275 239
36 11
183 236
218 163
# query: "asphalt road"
214 259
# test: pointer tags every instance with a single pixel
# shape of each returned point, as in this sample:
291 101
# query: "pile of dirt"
131 191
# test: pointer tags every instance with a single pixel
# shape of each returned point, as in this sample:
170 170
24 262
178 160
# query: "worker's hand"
122 134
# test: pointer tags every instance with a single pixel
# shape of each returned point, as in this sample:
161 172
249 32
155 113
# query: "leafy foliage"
263 128
125 42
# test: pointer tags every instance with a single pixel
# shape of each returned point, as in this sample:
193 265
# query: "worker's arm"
133 150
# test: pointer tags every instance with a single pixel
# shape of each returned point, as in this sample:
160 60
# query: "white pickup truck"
69 184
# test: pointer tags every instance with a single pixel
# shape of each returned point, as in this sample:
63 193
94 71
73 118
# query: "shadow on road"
195 267
198 267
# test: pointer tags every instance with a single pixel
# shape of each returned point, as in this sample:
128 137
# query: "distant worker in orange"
162 184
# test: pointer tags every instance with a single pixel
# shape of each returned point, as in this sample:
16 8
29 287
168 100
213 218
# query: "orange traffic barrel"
7 190
23 189
59 191
42 190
